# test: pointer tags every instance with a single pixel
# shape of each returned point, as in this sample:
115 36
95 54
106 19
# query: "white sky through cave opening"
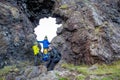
47 27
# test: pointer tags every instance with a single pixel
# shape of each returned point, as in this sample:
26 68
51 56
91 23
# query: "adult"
55 57
37 54
45 43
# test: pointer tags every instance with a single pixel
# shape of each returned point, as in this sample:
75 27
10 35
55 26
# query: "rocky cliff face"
89 34
18 18
16 33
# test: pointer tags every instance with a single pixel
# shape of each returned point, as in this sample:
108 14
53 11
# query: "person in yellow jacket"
36 51
35 48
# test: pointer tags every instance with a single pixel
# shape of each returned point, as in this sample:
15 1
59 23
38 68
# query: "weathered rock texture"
91 31
16 33
89 34
18 18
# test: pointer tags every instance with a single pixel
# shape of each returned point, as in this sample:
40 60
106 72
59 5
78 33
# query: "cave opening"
41 14
39 9
47 27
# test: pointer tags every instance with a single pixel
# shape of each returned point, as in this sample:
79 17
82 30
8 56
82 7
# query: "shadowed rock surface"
16 34
90 30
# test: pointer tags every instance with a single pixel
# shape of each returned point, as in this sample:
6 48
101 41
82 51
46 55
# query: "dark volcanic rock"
90 32
18 18
16 32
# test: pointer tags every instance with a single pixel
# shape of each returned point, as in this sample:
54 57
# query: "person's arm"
40 41
48 42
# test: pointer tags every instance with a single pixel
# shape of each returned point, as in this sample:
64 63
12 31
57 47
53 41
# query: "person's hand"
49 49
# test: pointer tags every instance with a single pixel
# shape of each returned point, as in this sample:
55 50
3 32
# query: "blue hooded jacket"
45 43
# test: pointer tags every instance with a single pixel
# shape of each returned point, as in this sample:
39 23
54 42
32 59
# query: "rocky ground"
63 71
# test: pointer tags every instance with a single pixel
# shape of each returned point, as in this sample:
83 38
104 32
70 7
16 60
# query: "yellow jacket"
36 49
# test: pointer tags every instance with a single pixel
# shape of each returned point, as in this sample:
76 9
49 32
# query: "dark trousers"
50 65
37 59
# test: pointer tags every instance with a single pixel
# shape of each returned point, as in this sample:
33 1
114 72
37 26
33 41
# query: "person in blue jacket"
45 43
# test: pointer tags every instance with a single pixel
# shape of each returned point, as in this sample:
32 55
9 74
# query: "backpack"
45 57
57 55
